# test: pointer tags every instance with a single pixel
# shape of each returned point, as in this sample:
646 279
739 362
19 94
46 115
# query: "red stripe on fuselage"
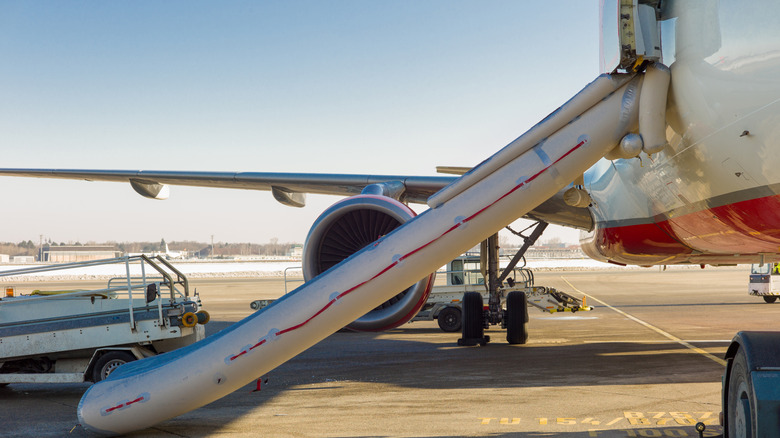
745 227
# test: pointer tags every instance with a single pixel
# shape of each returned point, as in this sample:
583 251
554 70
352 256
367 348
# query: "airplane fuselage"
711 196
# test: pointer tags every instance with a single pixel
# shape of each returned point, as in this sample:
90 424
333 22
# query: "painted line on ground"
663 333
692 341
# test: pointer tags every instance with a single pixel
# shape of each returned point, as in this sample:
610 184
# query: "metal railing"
292 280
162 274
521 277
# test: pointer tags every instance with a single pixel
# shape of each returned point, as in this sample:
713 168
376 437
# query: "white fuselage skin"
708 196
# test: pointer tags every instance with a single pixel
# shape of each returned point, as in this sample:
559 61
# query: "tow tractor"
765 281
59 336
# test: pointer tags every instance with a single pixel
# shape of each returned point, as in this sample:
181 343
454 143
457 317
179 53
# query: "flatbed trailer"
58 336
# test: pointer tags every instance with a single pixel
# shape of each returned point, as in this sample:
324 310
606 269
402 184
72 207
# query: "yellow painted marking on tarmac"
667 335
632 418
634 341
651 352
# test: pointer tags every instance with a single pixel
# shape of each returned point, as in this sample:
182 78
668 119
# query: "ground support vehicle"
765 281
751 386
83 335
751 381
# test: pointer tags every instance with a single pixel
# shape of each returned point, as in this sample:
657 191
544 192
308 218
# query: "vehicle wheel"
109 362
741 423
203 317
769 299
516 318
450 319
473 328
189 320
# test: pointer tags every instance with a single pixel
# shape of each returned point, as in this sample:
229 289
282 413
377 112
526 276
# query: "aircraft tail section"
143 393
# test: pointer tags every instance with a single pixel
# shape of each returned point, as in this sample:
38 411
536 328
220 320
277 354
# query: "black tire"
516 318
203 317
473 327
769 299
450 319
740 409
108 362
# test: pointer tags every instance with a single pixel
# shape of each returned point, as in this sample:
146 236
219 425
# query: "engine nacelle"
344 229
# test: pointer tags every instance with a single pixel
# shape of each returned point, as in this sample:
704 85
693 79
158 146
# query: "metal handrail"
525 273
78 293
168 280
285 276
46 268
180 278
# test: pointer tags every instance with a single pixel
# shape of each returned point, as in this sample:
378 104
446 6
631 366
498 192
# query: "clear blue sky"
299 86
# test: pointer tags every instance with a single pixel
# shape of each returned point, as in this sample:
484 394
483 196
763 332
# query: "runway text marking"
629 418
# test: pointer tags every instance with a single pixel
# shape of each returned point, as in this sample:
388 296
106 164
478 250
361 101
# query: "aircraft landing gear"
476 318
516 318
473 321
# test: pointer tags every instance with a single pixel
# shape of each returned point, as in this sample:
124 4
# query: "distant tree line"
200 249
19 249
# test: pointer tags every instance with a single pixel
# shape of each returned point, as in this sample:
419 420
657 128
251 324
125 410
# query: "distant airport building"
555 252
296 252
5 258
69 254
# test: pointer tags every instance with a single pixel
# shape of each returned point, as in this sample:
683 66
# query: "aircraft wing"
150 183
290 188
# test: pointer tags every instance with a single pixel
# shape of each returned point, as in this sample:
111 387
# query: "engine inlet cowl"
347 227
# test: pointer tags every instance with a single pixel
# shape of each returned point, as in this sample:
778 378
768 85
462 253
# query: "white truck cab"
765 281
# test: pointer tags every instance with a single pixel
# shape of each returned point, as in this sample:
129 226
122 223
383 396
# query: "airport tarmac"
644 363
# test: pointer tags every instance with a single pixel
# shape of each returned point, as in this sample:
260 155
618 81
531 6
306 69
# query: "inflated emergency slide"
510 183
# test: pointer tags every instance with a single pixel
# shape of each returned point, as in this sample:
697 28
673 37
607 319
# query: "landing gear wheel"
741 422
450 319
109 362
516 318
769 299
473 325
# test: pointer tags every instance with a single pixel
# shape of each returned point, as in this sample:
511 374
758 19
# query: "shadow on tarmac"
433 364
416 357
431 359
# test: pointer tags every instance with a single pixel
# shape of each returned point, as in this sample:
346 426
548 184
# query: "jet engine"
344 229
